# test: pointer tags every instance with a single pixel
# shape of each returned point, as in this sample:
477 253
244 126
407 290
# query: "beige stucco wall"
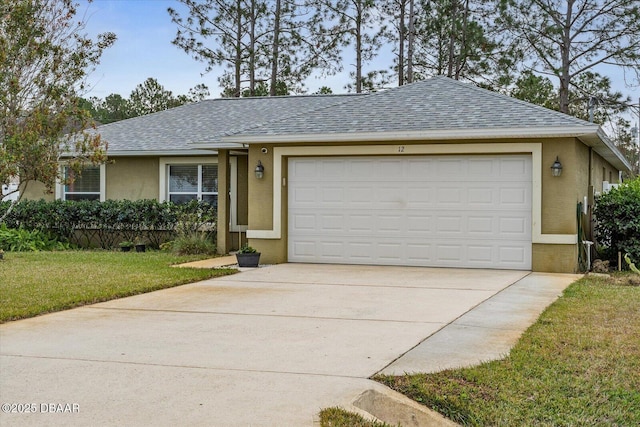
243 196
133 178
554 258
260 215
223 233
35 191
560 197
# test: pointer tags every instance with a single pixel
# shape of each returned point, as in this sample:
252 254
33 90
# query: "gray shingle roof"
205 122
436 104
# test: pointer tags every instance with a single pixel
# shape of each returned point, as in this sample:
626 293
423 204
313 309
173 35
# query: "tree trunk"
401 40
565 50
412 34
275 51
238 56
461 58
252 49
452 38
358 47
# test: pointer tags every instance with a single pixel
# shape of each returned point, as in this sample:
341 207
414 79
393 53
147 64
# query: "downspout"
585 208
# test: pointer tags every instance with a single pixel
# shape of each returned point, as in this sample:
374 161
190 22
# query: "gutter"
154 153
429 135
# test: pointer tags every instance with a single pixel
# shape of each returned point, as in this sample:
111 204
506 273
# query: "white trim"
218 145
154 153
534 148
165 162
103 182
423 135
556 239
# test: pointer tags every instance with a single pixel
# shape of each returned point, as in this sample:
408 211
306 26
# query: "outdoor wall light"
556 168
260 170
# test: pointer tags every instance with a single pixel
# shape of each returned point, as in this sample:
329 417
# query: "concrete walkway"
265 347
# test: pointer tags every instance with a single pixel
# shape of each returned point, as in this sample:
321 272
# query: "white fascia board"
218 145
444 134
153 153
608 150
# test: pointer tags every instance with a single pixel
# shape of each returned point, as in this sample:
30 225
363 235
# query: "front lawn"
579 364
33 283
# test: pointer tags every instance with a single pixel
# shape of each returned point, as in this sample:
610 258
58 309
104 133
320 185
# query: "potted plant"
247 256
126 246
141 246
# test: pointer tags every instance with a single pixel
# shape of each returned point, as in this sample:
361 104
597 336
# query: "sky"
143 49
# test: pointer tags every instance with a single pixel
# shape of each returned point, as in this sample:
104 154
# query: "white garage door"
437 211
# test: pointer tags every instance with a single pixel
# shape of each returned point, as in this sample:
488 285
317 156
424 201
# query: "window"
193 182
85 186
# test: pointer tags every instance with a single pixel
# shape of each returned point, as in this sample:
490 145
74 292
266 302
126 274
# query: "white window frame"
60 191
166 162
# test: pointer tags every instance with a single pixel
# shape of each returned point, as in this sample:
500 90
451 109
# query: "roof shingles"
436 104
205 122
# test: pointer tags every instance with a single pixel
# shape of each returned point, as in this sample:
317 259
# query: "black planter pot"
248 260
141 248
125 248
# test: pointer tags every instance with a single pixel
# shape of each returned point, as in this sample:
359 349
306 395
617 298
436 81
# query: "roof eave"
219 145
602 145
430 135
157 153
591 135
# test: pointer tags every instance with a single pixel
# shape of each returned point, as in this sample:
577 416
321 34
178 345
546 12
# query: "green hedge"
617 215
106 224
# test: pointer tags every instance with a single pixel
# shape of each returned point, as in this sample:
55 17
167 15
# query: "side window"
193 182
85 186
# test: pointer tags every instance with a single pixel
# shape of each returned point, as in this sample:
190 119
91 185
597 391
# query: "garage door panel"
480 254
482 197
515 168
419 169
482 168
514 196
304 222
480 225
419 224
514 227
362 169
333 195
334 169
449 211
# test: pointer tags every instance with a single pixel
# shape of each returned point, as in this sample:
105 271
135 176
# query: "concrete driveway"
265 347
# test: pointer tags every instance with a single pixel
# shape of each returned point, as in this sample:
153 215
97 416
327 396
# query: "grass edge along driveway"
34 283
579 364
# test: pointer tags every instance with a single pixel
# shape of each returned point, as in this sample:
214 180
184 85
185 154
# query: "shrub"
21 240
105 224
193 244
195 231
617 215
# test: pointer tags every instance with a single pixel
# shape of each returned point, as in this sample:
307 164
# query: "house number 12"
401 149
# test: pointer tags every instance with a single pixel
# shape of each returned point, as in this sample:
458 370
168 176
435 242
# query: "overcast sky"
144 50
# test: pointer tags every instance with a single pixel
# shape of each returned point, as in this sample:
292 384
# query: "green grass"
33 283
579 364
338 417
